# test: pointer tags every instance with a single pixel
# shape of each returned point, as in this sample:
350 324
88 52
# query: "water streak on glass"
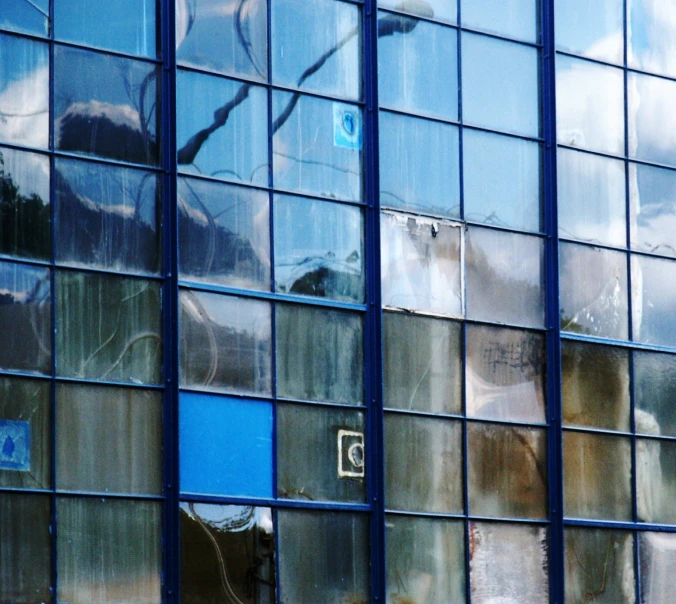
655 474
650 34
654 393
657 559
653 299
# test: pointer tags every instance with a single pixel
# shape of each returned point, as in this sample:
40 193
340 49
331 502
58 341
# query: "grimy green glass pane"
235 542
653 299
655 479
657 565
655 393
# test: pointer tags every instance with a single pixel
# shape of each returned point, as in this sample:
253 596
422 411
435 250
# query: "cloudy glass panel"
656 480
657 566
651 31
440 10
655 393
653 300
28 17
511 18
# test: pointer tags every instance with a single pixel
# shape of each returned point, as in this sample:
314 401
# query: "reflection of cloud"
124 116
24 109
651 35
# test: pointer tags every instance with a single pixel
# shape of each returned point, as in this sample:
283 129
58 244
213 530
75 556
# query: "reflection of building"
337 301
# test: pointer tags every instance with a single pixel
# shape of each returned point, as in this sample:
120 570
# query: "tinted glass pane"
654 296
317 146
655 477
24 90
320 454
419 165
25 434
225 343
105 105
214 116
425 560
25 553
232 538
420 263
24 204
500 84
504 277
323 557
593 286
657 566
505 374
320 354
224 234
423 464
124 25
589 105
316 45
501 180
651 30
223 35
115 434
418 67
442 10
512 18
109 551
30 17
422 363
25 318
107 217
654 393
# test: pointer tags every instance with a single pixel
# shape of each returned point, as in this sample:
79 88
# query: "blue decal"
347 130
15 445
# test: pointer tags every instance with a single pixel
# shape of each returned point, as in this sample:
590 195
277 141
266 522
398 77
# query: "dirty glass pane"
599 566
323 557
225 343
500 83
108 327
422 363
656 479
589 105
316 45
216 115
319 248
106 105
653 299
507 471
508 563
224 234
317 146
441 10
511 18
229 36
651 30
320 354
501 180
505 277
25 434
320 454
418 68
595 386
419 165
24 204
25 552
420 263
25 318
425 560
126 26
505 374
115 434
591 198
596 476
24 16
423 464
593 286
658 566
109 551
107 217
591 28
236 538
24 91
654 393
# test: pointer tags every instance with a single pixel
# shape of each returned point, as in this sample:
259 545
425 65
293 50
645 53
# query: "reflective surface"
651 30
441 10
655 476
656 559
29 17
512 18
654 393
654 295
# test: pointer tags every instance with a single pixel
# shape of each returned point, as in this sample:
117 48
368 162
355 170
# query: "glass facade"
337 301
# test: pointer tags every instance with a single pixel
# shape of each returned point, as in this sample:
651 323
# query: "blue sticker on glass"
15 449
347 130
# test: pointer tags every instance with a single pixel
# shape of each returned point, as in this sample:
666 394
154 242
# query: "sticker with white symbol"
15 451
350 454
347 130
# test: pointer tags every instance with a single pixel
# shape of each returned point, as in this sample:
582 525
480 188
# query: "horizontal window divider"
27 491
605 246
318 95
105 495
455 222
422 313
21 34
618 524
256 398
394 11
418 413
541 330
291 193
244 79
510 520
274 503
430 117
594 430
97 159
505 423
108 271
16 147
26 261
10 373
434 515
326 404
505 229
59 379
632 160
497 36
105 51
523 137
640 346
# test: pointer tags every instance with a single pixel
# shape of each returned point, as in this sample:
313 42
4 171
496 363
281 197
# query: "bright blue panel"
225 446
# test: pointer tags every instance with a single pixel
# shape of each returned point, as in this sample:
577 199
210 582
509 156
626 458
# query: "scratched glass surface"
27 16
657 566
517 19
654 392
653 298
655 475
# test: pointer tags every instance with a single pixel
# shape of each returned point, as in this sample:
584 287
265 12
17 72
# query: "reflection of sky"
29 171
443 10
225 516
656 286
512 18
23 282
24 15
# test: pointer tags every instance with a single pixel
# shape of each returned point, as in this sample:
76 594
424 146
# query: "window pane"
24 91
501 180
441 10
105 105
317 146
224 234
223 35
654 393
237 539
422 363
419 165
214 116
320 454
511 18
107 217
225 343
655 477
115 434
653 300
316 45
651 29
319 249
420 263
657 566
29 17
109 551
323 557
24 204
320 354
109 328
